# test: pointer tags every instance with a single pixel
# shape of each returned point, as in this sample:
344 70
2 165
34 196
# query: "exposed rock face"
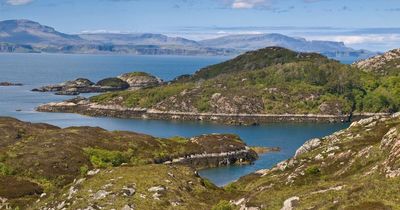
236 104
138 80
381 64
308 146
290 203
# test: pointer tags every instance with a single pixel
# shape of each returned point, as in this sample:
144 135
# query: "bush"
84 170
5 170
104 158
313 170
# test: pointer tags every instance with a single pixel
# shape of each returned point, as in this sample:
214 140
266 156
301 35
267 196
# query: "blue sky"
369 24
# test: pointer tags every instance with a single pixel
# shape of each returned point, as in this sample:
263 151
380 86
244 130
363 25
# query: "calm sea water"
40 69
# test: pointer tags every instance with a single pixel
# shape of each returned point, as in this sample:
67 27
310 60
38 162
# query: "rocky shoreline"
85 107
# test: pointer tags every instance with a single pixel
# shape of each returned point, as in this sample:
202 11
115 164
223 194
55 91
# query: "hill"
272 84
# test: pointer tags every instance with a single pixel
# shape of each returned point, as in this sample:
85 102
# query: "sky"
361 24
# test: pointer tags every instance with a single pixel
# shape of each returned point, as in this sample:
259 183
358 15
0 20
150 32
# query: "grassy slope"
271 80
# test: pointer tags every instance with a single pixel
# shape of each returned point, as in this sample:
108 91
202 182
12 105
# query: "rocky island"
269 85
45 167
10 84
132 81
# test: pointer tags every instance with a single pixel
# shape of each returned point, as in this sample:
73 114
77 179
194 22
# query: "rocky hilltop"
131 81
45 167
267 85
386 64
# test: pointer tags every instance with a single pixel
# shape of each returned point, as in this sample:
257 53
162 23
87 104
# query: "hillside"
257 87
49 164
386 64
356 168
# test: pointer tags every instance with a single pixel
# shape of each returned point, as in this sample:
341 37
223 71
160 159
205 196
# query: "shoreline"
87 108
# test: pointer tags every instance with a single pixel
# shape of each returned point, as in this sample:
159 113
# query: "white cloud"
247 4
359 39
18 2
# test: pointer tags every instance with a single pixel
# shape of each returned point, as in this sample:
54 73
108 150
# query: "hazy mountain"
30 36
257 41
137 39
29 32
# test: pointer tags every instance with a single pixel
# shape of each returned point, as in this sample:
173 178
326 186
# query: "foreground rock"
10 84
134 80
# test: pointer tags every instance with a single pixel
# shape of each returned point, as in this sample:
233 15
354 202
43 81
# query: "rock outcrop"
388 63
138 80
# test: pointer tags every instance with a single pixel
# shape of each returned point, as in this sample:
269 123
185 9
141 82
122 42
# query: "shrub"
5 170
312 170
104 158
84 170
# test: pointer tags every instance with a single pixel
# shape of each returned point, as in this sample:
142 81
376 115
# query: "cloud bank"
18 2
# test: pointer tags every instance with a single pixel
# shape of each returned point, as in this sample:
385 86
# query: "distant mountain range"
29 36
